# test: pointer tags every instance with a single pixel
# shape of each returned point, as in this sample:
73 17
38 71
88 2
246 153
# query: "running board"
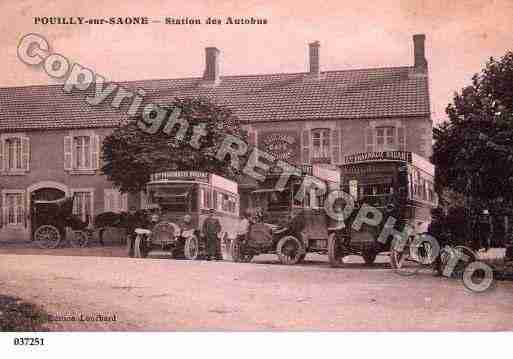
157 253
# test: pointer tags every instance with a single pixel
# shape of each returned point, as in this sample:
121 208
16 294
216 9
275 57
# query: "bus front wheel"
191 248
290 250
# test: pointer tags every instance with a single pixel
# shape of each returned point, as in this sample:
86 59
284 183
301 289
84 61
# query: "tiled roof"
350 94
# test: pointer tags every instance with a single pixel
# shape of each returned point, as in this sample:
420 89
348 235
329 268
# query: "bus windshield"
171 197
272 200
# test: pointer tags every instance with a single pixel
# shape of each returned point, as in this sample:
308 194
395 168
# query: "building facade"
50 141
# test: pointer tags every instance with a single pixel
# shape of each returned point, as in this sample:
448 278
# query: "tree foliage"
130 154
473 151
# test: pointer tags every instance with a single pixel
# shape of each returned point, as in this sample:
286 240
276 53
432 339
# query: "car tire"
192 248
289 250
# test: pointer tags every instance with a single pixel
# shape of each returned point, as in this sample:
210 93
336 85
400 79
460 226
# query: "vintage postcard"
265 166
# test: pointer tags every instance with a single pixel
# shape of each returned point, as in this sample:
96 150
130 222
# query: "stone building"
50 141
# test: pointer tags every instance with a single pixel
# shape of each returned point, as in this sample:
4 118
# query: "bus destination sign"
180 175
379 156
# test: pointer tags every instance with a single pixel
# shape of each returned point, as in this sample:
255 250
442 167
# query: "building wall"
352 134
47 157
47 170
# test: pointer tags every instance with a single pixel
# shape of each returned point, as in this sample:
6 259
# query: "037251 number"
29 341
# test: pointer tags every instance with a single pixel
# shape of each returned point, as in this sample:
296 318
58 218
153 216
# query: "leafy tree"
130 154
473 150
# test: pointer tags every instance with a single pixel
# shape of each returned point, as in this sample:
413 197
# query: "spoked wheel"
335 254
400 262
369 257
79 239
191 248
236 250
464 256
47 236
289 250
139 248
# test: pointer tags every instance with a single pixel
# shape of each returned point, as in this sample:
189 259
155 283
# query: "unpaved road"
161 294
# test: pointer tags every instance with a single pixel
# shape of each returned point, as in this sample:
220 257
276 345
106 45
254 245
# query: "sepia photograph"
249 168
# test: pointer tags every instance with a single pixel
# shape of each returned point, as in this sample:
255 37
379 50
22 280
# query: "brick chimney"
212 72
313 53
419 55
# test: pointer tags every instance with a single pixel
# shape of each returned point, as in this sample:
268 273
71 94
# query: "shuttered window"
82 152
13 208
115 201
14 154
305 146
336 146
320 145
83 204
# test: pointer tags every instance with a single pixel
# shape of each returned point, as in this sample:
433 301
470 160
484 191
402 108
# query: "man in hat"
211 228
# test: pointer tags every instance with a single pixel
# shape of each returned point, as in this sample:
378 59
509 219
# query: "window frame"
22 155
90 158
91 200
120 200
385 137
324 139
5 208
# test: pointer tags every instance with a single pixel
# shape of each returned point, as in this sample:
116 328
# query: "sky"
461 36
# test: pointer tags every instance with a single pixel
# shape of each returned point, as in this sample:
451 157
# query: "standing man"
211 228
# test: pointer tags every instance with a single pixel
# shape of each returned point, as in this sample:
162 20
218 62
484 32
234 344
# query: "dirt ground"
94 290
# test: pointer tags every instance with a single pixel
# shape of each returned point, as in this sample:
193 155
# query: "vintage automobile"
51 220
284 225
397 183
173 195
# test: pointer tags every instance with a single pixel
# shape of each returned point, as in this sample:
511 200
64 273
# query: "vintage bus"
399 184
173 195
288 227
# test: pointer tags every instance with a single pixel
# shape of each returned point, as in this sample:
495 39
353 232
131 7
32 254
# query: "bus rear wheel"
289 250
335 255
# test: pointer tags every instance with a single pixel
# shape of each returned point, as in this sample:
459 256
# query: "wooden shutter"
252 138
369 139
2 207
305 145
95 152
68 153
1 155
25 152
336 139
401 138
24 209
341 144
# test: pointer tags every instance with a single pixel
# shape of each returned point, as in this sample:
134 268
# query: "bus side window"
215 199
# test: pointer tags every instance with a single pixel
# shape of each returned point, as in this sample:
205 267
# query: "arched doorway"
43 191
47 194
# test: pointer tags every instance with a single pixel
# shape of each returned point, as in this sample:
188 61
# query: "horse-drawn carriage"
51 219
